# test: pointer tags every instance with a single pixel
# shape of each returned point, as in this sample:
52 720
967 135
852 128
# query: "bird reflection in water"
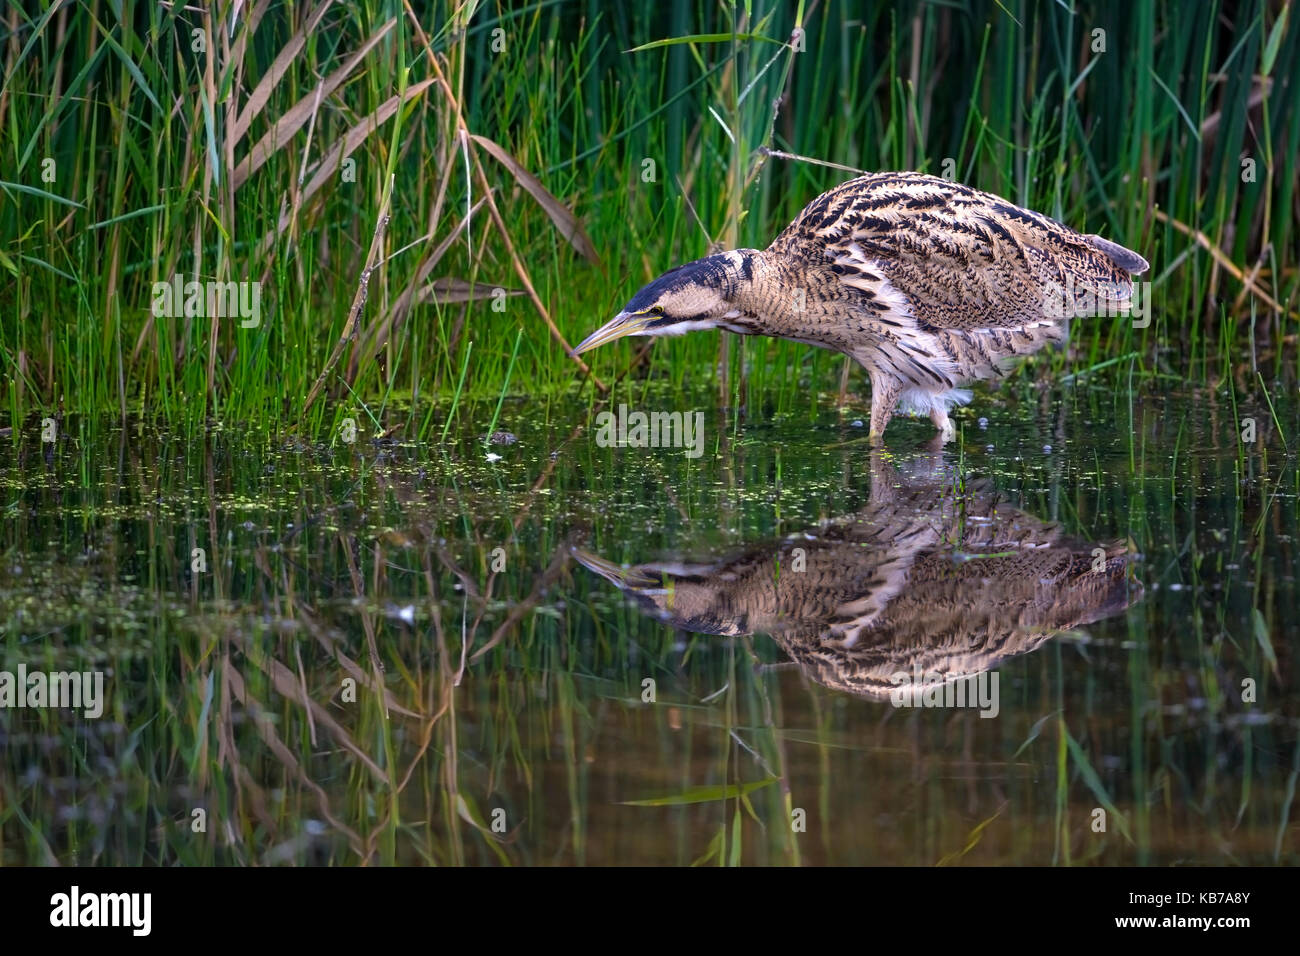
929 587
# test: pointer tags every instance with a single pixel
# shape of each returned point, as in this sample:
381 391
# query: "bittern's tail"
1126 259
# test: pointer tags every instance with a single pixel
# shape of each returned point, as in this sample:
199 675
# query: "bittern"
928 284
928 579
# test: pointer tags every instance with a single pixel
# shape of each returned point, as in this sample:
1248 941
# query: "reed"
548 158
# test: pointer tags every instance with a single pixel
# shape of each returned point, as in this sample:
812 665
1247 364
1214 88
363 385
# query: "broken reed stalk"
359 300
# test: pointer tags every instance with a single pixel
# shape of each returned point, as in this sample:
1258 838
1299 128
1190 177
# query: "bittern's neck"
764 292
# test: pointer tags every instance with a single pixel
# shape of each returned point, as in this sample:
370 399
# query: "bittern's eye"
657 310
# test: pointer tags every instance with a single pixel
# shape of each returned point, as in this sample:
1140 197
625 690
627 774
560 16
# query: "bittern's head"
699 295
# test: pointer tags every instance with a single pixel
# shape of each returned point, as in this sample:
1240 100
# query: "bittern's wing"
962 259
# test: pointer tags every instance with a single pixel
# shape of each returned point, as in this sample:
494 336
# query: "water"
632 655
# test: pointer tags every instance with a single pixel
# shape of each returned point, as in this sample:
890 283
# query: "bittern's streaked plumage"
928 284
926 580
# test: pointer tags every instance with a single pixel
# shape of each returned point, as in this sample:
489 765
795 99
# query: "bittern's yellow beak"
615 574
625 323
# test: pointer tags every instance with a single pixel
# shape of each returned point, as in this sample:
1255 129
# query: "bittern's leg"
885 390
939 415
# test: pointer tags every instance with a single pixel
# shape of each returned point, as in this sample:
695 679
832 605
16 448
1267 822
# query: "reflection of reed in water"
928 579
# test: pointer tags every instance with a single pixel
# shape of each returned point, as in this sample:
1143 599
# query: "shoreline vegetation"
430 205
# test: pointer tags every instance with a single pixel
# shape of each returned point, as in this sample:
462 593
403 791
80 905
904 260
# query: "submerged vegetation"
431 195
244 722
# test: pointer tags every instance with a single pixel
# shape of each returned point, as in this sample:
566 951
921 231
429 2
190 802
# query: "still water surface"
546 651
